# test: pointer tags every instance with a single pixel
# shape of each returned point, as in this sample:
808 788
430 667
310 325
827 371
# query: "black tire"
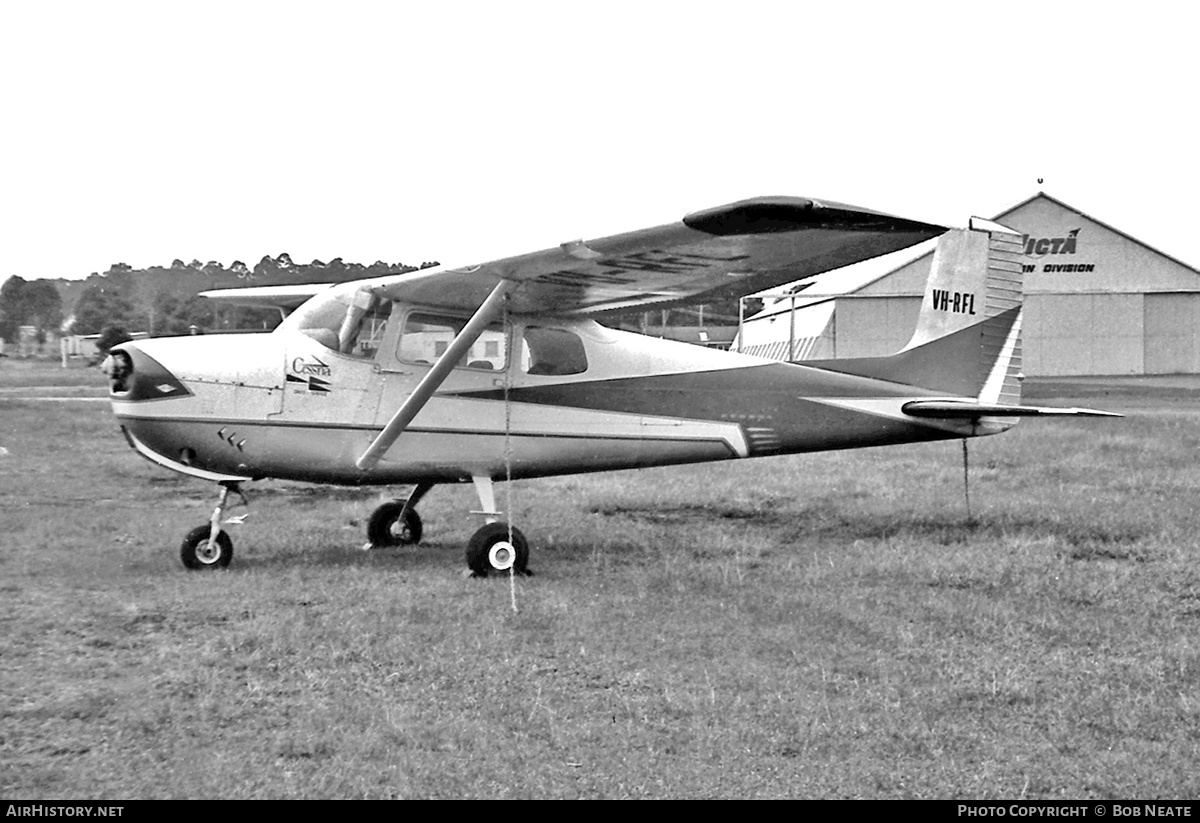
194 551
479 550
384 529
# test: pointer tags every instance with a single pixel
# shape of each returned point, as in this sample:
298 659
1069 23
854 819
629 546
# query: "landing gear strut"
209 546
497 546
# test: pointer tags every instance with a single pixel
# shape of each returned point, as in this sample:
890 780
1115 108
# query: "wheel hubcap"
208 552
502 555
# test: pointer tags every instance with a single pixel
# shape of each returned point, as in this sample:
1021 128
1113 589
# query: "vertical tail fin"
975 274
968 336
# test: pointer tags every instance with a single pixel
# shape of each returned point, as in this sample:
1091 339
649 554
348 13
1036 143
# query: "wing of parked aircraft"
284 298
707 256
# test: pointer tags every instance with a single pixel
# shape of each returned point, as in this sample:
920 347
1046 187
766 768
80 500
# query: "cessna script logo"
1039 247
313 370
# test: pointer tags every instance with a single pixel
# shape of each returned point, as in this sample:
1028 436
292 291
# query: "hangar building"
1097 302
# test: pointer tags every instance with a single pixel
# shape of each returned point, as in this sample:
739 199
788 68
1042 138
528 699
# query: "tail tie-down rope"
512 569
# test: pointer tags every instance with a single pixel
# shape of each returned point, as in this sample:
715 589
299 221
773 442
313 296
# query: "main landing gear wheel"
197 554
391 525
491 550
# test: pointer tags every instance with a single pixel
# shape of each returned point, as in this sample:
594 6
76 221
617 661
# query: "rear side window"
552 351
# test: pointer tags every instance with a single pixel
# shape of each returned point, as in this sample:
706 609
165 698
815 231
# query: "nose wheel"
209 546
199 551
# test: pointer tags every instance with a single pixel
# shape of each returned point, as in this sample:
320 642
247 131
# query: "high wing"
709 255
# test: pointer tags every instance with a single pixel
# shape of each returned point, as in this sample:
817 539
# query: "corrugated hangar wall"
1097 301
1172 343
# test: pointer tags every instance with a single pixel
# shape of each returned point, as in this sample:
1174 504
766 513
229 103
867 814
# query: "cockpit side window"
552 351
425 338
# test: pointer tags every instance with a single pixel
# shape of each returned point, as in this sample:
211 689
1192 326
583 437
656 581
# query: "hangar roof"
1042 195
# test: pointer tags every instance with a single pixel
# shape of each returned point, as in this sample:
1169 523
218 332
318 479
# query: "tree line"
163 300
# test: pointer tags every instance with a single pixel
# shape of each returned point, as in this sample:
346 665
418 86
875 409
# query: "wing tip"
771 215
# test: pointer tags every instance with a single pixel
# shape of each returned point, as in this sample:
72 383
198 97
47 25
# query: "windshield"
346 318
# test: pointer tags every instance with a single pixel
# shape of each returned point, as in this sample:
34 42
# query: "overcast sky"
141 132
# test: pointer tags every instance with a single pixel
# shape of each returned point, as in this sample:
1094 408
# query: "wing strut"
436 375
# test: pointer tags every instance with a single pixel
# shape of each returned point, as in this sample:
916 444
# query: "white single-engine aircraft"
500 371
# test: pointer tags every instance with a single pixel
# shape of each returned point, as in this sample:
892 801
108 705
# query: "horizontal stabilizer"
965 409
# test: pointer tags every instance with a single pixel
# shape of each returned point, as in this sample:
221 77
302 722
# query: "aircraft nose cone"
134 375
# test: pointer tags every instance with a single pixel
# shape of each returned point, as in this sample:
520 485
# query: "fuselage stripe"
645 435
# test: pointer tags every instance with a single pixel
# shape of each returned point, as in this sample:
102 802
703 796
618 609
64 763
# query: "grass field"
827 625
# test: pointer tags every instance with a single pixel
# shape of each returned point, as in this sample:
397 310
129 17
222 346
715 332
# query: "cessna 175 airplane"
500 371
